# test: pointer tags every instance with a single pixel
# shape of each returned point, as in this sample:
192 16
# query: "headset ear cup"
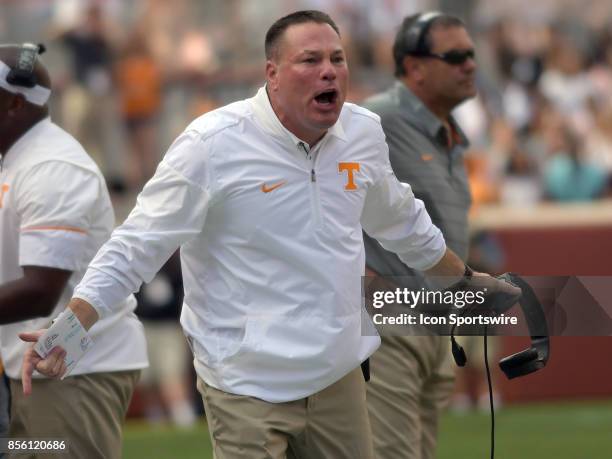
412 38
415 38
522 363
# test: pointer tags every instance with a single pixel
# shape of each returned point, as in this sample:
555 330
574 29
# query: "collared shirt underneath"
423 154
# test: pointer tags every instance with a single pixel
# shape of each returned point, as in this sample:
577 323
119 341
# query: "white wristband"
68 333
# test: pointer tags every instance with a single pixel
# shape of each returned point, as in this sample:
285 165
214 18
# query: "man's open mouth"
327 97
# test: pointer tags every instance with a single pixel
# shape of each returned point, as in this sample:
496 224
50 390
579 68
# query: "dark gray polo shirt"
420 156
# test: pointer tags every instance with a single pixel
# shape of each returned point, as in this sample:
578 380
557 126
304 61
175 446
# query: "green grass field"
559 431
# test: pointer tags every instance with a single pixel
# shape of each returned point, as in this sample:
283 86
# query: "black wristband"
464 281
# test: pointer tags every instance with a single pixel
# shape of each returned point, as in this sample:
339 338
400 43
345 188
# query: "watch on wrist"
464 281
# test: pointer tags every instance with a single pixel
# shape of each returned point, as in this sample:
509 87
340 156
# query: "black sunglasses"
452 57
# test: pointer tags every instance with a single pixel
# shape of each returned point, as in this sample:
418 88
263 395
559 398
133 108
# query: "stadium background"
540 162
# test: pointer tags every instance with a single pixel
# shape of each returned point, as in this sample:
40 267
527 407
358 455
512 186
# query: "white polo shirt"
55 212
271 245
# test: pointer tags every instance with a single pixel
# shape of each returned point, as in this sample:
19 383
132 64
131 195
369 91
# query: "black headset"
535 357
23 73
529 360
524 362
414 39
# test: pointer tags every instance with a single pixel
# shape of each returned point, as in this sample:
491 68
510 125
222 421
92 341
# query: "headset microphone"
458 351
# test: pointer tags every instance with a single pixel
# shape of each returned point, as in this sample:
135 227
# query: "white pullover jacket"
271 245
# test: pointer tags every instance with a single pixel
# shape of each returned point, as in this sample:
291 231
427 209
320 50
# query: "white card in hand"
68 333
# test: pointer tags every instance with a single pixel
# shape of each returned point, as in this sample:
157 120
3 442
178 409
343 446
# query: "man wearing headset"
412 376
55 212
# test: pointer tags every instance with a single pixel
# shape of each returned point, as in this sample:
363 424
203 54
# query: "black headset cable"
486 359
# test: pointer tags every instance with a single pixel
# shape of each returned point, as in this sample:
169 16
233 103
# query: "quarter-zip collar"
267 119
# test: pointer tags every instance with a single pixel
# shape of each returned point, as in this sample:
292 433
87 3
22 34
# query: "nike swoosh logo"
426 157
267 189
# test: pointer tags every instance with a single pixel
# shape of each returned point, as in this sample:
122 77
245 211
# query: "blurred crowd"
129 75
542 126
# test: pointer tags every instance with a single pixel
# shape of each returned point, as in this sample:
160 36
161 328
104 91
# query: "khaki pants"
87 411
331 424
411 383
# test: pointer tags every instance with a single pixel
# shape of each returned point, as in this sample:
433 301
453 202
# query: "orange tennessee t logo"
3 190
350 169
267 189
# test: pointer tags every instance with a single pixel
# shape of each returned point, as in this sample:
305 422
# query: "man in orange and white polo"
55 212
